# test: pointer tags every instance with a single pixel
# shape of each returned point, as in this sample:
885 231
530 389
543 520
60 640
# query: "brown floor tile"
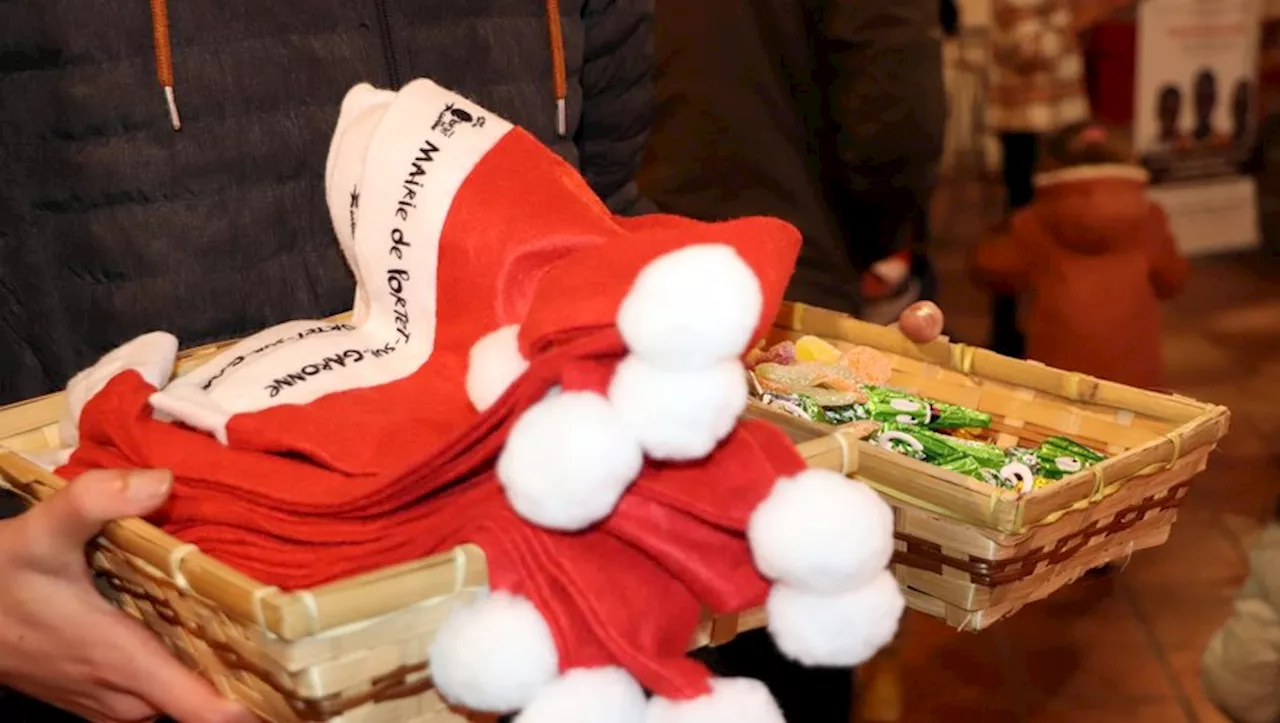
1260 320
1244 529
936 710
1182 618
951 676
1187 672
1200 551
1242 488
1192 357
1118 710
1060 646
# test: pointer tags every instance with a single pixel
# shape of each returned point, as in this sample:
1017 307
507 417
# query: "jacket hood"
1093 209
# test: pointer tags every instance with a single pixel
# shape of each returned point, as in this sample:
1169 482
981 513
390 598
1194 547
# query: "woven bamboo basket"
970 553
354 651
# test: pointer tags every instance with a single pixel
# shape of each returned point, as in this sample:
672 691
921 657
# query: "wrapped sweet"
1059 457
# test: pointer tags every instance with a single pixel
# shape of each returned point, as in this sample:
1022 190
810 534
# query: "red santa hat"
565 392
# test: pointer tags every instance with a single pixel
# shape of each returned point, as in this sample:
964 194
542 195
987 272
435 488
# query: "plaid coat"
1037 69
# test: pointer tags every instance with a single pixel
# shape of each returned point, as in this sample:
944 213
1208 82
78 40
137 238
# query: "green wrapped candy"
909 444
1059 457
988 455
1023 455
889 405
845 414
930 446
965 465
799 405
979 460
954 416
886 405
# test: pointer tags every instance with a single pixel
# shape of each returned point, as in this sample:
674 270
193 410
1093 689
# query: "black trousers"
806 695
1020 151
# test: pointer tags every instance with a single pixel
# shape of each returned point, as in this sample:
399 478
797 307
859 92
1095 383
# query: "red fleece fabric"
628 592
364 478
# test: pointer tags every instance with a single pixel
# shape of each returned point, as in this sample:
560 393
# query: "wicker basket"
971 554
353 651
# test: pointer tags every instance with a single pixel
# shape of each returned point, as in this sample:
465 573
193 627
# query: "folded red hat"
605 473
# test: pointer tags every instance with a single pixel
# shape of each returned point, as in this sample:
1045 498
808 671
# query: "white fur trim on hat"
679 416
494 655
731 700
568 460
1092 172
840 630
150 355
821 531
692 308
494 364
588 695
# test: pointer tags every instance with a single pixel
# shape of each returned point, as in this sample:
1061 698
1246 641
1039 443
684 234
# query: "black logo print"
452 117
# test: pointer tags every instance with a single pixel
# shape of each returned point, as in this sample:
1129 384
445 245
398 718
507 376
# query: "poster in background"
1195 116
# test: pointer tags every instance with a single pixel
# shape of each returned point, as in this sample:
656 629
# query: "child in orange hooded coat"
1094 257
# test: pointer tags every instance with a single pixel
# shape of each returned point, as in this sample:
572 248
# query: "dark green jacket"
112 224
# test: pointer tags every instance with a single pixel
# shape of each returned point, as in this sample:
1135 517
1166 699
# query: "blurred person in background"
826 113
1241 665
1036 87
1094 256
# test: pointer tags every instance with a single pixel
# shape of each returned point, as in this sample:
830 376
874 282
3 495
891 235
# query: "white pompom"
494 655
494 364
821 531
679 416
692 308
588 695
731 700
840 630
568 460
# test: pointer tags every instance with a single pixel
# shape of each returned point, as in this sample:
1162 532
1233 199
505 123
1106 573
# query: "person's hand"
61 642
921 322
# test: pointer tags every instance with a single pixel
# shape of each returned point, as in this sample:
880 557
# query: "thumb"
73 516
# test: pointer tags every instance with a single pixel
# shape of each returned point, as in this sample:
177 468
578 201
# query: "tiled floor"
1126 646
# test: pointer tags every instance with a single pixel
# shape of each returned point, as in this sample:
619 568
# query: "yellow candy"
813 349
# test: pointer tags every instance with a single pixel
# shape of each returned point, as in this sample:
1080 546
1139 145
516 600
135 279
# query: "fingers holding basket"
61 642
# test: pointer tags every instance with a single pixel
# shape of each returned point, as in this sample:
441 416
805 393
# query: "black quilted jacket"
112 224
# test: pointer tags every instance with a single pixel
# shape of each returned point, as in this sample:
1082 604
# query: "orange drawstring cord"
559 77
164 57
